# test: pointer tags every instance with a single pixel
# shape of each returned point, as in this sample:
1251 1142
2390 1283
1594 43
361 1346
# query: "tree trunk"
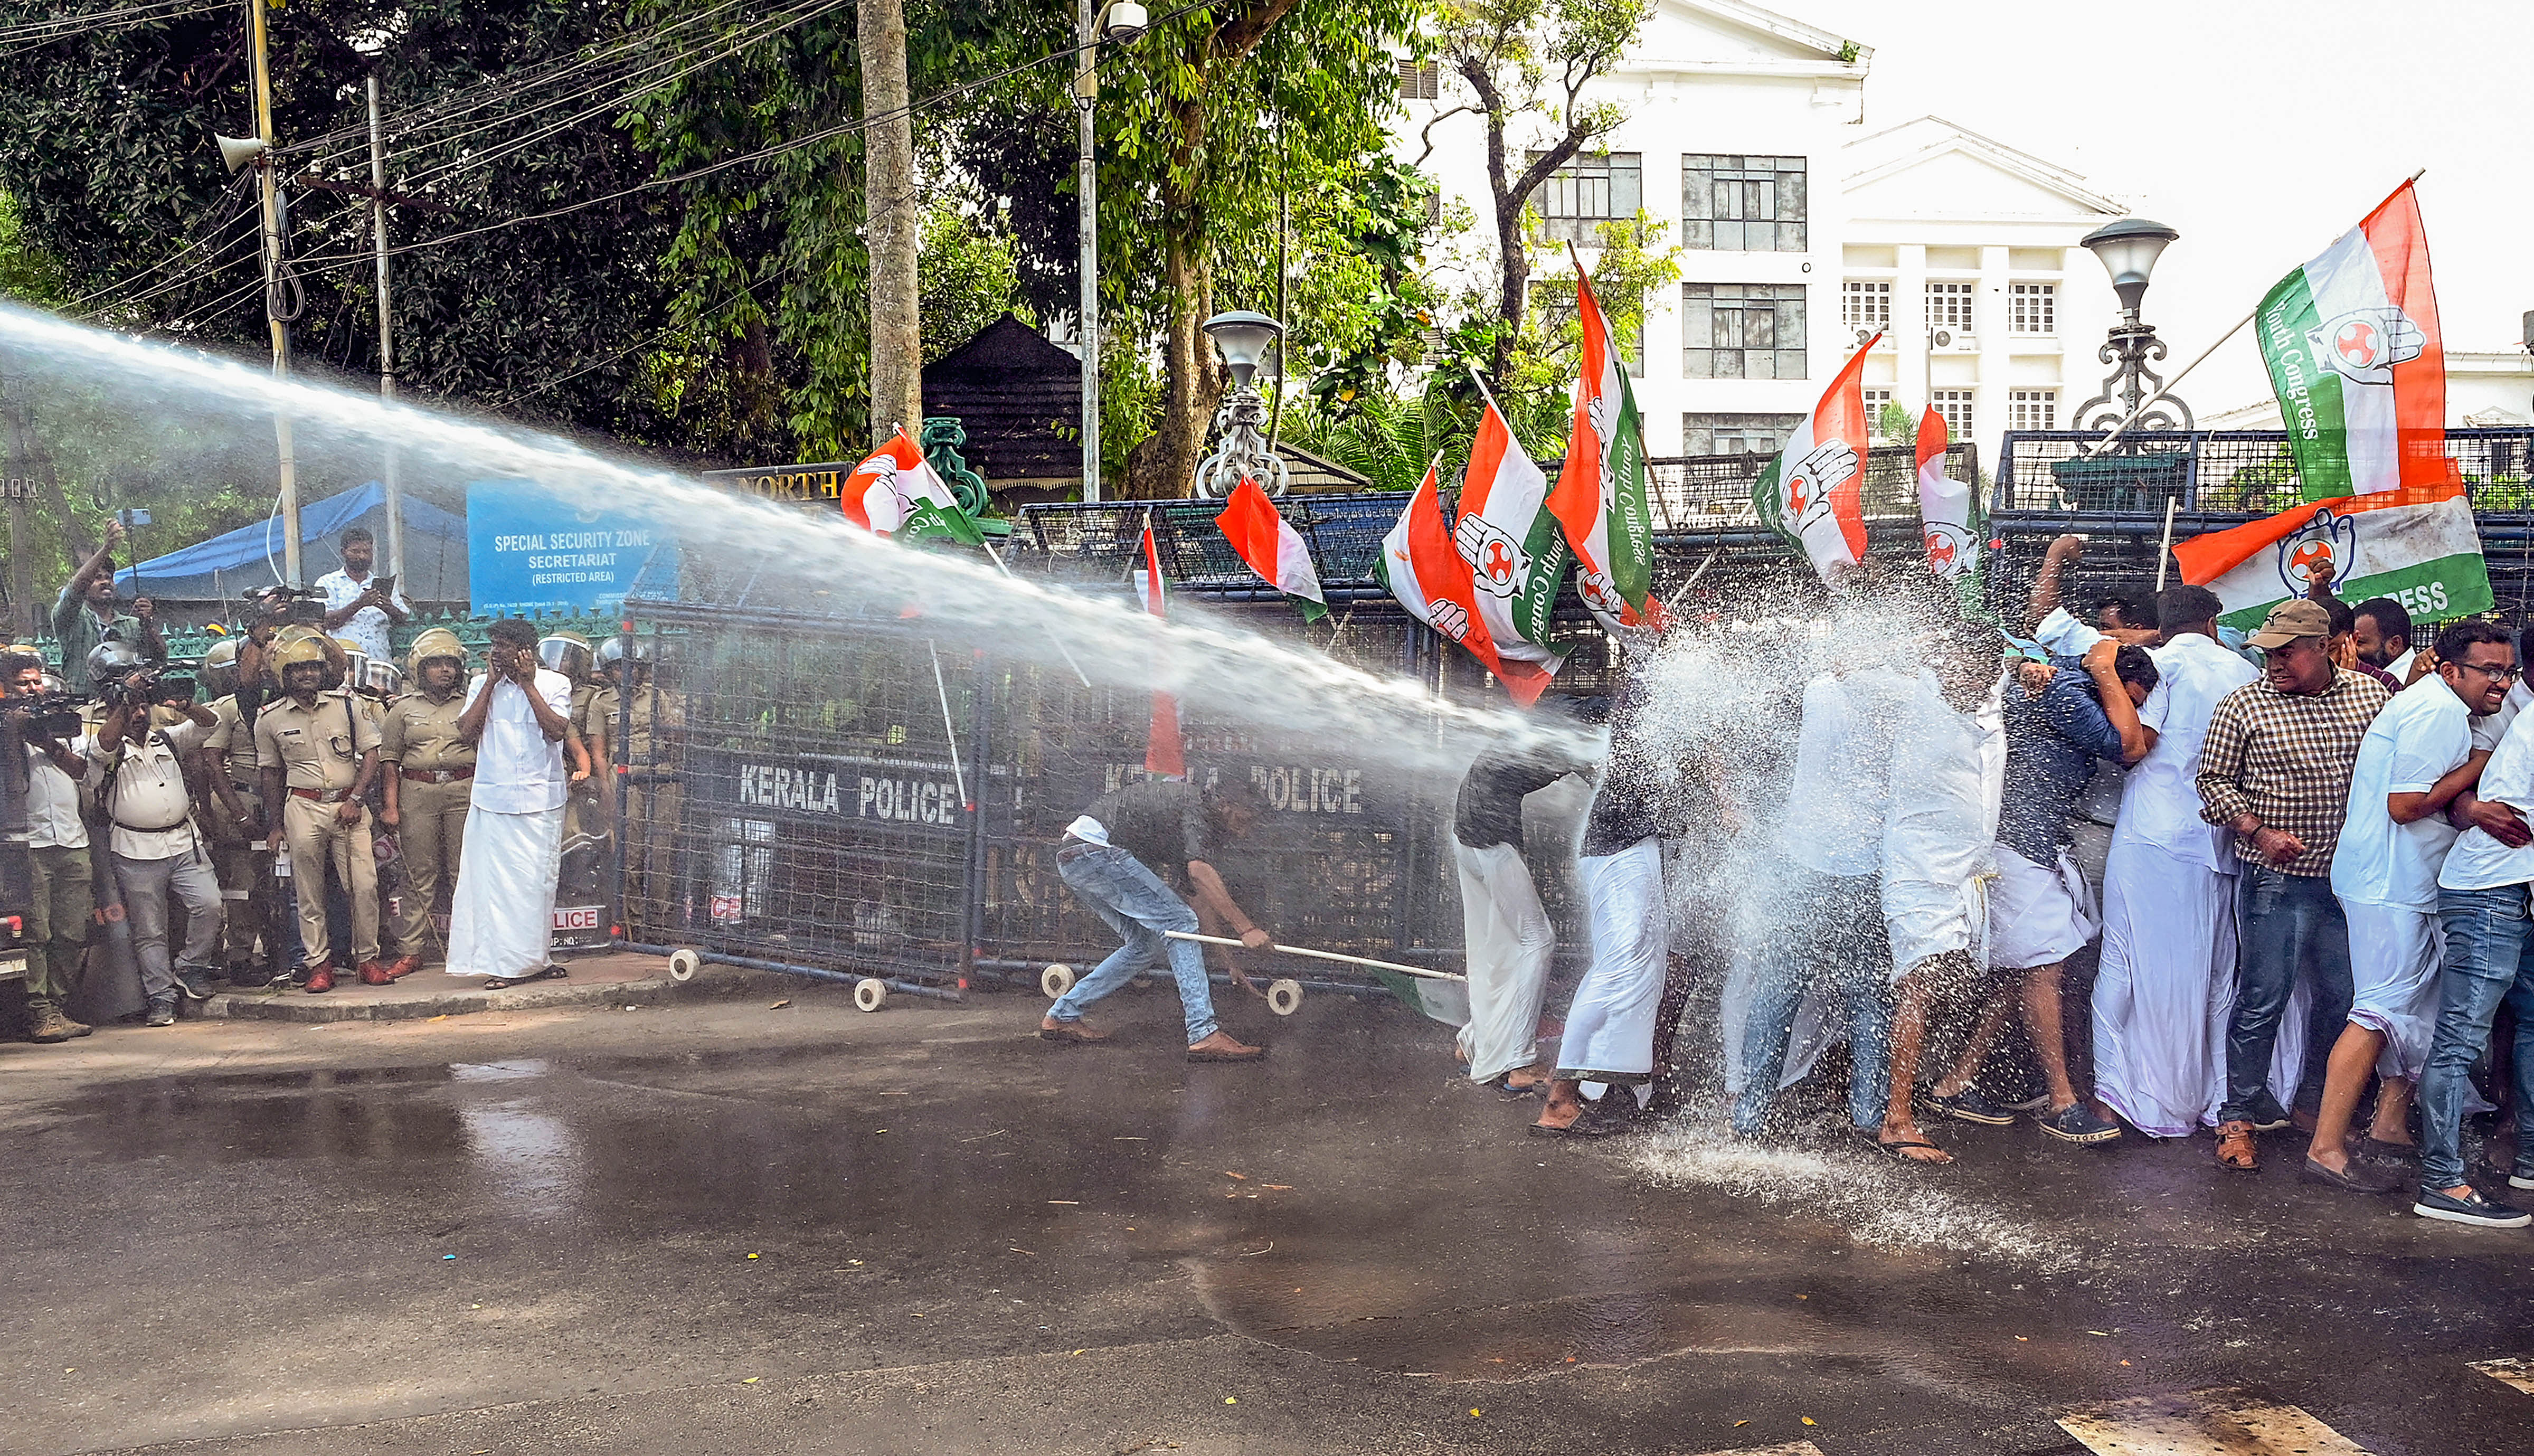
890 210
1163 467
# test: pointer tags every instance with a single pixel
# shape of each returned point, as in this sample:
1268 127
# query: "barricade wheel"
683 965
871 994
1055 980
1285 998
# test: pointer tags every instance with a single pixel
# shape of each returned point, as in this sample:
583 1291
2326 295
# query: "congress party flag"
891 487
1165 755
1424 571
1261 537
2417 545
1945 505
1600 499
1512 543
1813 493
2355 356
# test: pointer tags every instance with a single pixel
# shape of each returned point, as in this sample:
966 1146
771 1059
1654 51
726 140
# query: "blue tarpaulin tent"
227 567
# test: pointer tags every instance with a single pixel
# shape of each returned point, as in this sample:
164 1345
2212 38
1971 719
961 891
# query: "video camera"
286 606
49 715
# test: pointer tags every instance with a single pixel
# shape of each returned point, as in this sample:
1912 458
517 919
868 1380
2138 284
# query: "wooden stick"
2165 552
1353 960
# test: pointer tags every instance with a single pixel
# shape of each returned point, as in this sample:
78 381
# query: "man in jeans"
156 849
1116 857
2274 768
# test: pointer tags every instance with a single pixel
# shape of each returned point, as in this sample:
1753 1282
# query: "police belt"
322 796
436 775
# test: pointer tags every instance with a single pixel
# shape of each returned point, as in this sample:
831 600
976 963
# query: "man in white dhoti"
518 715
1507 933
2411 765
2167 984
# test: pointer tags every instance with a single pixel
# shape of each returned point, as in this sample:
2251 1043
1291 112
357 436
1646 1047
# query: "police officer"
319 755
234 811
653 807
428 782
584 827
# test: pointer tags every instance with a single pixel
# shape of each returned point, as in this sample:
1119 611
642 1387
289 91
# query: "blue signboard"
531 550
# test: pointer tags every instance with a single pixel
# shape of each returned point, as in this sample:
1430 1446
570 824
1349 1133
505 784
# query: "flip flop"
1501 1082
1897 1151
543 973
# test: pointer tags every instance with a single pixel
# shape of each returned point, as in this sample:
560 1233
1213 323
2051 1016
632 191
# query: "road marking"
2516 1372
2204 1423
1794 1448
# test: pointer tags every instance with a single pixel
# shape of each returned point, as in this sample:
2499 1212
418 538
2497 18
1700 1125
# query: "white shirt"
2477 861
2063 636
367 627
1948 776
2490 728
53 801
516 769
1833 813
149 806
2417 738
2161 803
2400 667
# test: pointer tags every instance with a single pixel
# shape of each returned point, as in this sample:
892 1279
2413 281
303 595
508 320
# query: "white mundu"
2385 874
500 920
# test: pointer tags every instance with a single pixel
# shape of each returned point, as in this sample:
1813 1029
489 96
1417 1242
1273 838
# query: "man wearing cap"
319 755
2275 768
430 783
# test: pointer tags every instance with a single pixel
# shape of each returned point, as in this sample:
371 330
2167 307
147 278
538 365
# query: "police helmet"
565 652
297 651
612 652
112 659
219 673
432 642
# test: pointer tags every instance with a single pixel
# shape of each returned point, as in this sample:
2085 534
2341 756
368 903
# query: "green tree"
970 278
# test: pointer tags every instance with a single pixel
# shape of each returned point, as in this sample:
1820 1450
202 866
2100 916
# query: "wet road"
720 1226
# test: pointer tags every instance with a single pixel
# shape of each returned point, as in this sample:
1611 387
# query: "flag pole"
949 727
2160 395
2165 552
992 556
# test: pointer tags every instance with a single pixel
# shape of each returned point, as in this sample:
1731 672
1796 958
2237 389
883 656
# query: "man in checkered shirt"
2275 769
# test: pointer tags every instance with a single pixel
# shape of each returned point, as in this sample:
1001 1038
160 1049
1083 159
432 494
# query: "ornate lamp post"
2128 249
1243 339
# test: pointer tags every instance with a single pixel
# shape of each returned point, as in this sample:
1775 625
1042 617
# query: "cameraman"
158 851
87 612
62 898
360 606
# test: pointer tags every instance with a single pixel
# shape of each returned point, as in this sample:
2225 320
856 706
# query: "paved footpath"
697 1221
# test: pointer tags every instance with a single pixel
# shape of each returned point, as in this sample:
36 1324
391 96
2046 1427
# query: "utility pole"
1086 94
387 331
25 612
272 275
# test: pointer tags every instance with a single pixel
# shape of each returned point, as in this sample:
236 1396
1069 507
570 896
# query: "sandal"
2236 1151
1899 1152
1503 1082
542 973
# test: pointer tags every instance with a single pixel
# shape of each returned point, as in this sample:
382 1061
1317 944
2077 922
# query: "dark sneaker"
192 981
2037 1103
2269 1116
1970 1106
2357 1177
162 1012
2521 1179
2074 1123
2472 1208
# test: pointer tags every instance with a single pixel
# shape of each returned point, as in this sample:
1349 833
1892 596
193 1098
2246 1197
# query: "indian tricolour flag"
1814 492
1165 752
1945 511
1601 496
2354 353
1421 568
1260 535
1512 543
894 485
2417 545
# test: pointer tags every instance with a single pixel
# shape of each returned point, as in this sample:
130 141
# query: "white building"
1745 133
2484 387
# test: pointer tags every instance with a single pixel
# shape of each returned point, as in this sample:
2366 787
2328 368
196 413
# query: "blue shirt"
2051 744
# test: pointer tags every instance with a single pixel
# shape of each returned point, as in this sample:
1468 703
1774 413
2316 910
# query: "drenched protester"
89 612
62 895
2167 987
428 784
519 719
361 607
2119 611
158 851
2274 768
2041 910
1507 935
319 755
2380 632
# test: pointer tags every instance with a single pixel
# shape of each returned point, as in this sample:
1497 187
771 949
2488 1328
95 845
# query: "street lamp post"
1121 20
2128 249
1243 339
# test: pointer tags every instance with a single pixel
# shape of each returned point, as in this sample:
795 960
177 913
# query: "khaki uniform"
650 810
236 855
436 782
319 749
584 826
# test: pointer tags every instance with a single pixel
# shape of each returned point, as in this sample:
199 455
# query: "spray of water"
154 401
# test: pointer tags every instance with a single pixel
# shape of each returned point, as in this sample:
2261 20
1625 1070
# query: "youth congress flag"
2354 353
1261 537
895 489
1511 542
1813 493
1164 754
1600 499
1945 511
2418 546
1421 568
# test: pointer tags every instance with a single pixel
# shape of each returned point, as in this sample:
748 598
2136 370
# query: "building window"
1865 305
1587 192
1742 204
1955 407
1736 433
1949 306
1420 80
2032 409
1552 303
2032 308
1742 330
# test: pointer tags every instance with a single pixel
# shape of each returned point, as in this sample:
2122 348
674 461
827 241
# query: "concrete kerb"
356 1002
